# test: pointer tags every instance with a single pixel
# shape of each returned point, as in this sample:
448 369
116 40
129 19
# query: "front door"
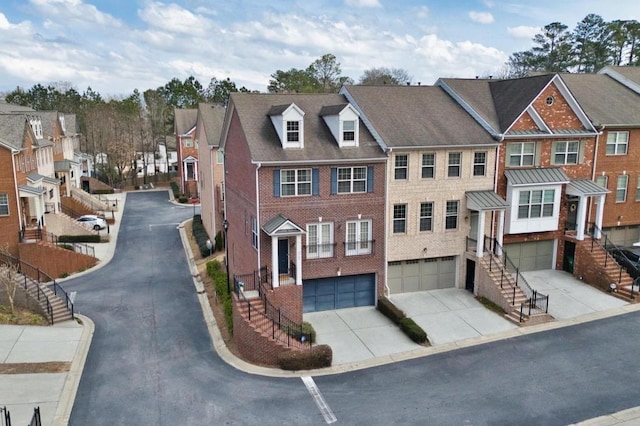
283 256
471 274
572 214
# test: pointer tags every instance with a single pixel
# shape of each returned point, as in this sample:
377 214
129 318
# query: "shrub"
219 277
413 330
183 199
317 357
219 241
103 191
391 311
201 236
307 330
79 238
175 189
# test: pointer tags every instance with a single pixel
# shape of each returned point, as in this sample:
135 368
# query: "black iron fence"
35 419
609 246
40 235
5 417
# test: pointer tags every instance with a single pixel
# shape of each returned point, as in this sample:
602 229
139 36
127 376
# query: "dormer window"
342 120
288 122
36 126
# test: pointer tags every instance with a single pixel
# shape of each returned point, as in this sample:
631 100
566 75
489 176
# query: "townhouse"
211 166
440 180
305 200
187 150
545 166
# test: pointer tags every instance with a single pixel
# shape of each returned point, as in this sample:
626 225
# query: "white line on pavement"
328 415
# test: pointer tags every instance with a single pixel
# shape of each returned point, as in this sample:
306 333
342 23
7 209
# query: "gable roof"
497 104
5 108
253 109
49 119
212 117
13 128
416 116
184 120
627 75
604 100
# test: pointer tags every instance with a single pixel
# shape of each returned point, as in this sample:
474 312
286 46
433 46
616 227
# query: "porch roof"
64 165
34 177
31 191
485 200
536 176
281 225
585 187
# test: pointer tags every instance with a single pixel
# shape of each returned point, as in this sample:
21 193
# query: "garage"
532 255
338 292
422 274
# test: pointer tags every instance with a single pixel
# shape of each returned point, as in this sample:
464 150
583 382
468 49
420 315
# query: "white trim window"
480 163
399 218
401 167
352 180
621 188
293 131
429 165
188 142
536 203
617 143
358 238
451 215
521 154
319 240
295 182
254 232
602 181
426 216
349 130
566 152
454 167
4 205
219 157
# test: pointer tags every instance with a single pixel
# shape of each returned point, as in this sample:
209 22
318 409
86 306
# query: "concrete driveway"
447 316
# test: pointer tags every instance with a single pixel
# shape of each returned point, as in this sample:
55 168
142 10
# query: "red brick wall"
612 166
558 115
55 261
9 225
289 299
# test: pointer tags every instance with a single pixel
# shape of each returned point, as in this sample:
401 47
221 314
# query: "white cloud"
423 12
523 31
481 17
363 3
173 18
74 12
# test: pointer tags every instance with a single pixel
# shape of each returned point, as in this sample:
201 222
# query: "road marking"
328 415
151 225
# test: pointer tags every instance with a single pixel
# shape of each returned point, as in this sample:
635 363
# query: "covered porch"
579 191
479 203
286 251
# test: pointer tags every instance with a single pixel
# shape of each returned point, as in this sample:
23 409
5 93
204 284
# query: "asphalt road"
151 361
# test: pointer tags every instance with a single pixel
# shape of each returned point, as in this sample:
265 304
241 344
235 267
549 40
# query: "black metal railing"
607 247
283 329
511 276
40 235
34 276
320 251
35 419
5 417
359 248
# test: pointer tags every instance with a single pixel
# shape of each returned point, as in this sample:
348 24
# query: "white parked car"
92 221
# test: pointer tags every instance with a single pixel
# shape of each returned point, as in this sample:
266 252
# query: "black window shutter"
276 183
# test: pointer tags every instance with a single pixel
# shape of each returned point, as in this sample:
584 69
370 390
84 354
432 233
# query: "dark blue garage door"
339 292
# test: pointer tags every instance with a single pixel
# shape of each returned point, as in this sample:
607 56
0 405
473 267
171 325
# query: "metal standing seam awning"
536 176
281 225
585 188
31 191
485 201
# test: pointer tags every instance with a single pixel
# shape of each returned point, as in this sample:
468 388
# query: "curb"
72 382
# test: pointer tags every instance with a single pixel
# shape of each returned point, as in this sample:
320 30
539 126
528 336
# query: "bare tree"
8 278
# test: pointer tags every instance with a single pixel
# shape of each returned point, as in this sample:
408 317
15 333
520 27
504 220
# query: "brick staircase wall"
75 205
96 185
55 261
589 264
252 338
61 224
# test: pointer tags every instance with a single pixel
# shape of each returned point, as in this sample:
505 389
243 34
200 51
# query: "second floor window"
621 188
293 131
4 205
479 163
401 166
352 179
617 143
535 204
254 232
188 142
521 154
426 216
319 240
566 152
455 159
428 166
451 215
399 218
358 237
295 182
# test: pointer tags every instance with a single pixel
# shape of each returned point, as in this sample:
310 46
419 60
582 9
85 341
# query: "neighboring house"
628 76
211 161
545 168
305 201
440 180
187 150
154 162
172 154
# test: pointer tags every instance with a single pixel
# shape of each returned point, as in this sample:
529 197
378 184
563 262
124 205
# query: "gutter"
259 165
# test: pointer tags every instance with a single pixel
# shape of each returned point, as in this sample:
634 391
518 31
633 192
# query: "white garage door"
531 256
422 274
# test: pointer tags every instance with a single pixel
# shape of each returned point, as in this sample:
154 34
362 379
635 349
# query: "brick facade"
55 261
9 225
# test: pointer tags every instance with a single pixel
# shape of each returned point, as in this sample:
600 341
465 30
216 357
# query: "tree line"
121 126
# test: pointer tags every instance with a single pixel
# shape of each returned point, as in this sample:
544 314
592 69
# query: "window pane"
549 195
536 209
529 148
524 197
523 212
359 173
536 197
547 210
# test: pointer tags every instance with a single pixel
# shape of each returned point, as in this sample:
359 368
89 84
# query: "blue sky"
116 46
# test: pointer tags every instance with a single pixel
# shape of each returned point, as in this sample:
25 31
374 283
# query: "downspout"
386 224
495 189
213 193
593 173
258 213
15 186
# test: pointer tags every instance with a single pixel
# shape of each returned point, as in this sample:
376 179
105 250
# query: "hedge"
406 324
317 357
307 329
219 277
175 189
103 191
79 238
201 236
